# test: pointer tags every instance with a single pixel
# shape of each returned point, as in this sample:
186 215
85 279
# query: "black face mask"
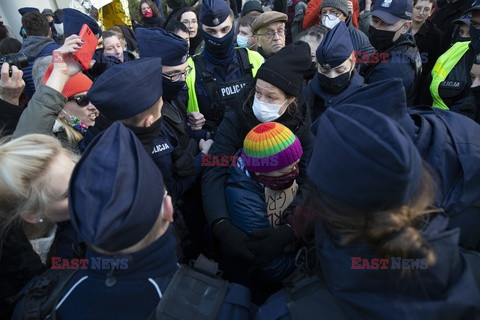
475 37
219 50
171 89
461 39
380 39
476 94
334 85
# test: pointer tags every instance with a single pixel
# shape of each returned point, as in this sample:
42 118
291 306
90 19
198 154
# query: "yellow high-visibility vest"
255 59
442 68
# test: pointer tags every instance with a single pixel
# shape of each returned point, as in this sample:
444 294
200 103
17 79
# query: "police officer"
397 55
221 72
450 83
447 142
269 31
366 233
336 77
119 207
185 158
132 93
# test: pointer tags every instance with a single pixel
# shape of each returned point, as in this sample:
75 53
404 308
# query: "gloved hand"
232 240
183 162
268 243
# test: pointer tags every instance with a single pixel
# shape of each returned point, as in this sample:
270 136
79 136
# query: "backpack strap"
43 293
247 67
207 78
195 292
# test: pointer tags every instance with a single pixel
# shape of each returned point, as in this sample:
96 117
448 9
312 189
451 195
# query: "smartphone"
85 53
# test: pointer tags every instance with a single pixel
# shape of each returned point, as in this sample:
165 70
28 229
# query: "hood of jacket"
33 45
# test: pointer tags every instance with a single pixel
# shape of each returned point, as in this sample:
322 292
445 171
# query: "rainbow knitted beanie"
270 146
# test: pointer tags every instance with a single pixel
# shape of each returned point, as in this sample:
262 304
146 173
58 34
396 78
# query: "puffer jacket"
248 211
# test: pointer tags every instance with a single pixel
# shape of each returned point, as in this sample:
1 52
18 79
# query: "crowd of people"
256 160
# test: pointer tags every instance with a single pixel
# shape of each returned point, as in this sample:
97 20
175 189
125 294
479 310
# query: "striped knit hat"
270 146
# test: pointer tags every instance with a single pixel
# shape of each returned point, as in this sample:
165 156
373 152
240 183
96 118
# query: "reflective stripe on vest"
255 59
442 68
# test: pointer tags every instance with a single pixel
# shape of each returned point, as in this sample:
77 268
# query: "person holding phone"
61 102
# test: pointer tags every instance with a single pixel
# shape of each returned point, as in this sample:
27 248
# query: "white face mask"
242 41
330 20
266 112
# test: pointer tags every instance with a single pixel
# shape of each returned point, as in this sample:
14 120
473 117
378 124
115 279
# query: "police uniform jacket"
133 292
447 142
319 100
450 289
403 62
230 82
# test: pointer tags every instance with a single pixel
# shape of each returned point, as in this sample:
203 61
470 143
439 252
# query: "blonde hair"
24 163
73 136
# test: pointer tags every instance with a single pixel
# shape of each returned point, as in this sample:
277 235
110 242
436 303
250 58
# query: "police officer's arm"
48 101
227 141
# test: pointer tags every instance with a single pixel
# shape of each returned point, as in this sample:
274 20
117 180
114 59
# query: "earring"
40 220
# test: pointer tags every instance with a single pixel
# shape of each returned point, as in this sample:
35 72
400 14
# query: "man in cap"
269 31
181 166
220 72
397 54
38 43
336 77
120 209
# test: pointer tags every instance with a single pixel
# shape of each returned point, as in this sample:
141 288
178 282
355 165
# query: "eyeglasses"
82 100
177 76
271 33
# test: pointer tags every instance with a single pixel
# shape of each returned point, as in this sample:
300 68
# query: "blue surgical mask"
242 41
266 112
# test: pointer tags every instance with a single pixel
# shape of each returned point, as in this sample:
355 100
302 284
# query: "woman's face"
113 47
145 7
58 177
86 114
189 19
421 11
268 93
